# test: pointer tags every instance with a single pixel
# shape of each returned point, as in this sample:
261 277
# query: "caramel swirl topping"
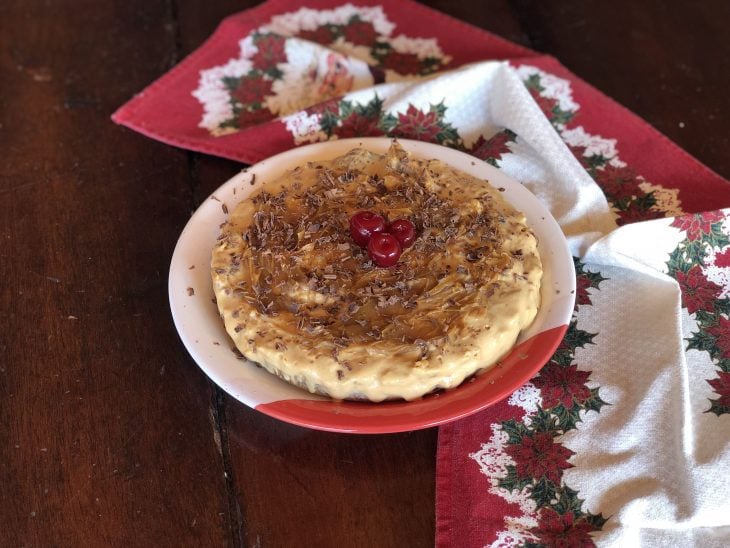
285 259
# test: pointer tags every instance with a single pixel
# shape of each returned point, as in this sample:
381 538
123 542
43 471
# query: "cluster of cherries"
384 241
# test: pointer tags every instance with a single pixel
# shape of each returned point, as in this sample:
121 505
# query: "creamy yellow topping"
299 297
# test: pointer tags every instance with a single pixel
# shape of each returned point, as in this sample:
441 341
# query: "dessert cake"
376 276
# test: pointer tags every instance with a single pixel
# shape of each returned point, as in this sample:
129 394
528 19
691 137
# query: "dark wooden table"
109 433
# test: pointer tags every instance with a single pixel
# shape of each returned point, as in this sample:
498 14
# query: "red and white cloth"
624 437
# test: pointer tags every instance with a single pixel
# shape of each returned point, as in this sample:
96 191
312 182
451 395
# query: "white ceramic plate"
201 329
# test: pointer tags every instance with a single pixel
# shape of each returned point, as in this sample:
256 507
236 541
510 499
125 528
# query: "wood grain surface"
110 435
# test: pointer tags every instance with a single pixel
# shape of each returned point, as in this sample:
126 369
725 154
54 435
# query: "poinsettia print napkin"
623 438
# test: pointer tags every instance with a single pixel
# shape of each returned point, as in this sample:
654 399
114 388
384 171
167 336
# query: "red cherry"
384 249
363 225
403 230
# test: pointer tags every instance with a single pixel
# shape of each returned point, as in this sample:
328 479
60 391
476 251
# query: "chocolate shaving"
365 202
280 346
475 255
347 176
375 333
327 179
423 347
341 342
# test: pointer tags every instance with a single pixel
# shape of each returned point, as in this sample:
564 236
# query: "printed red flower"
698 293
416 124
270 51
635 212
491 148
582 283
562 385
321 35
254 117
357 125
331 106
721 385
562 530
697 224
546 104
402 63
722 259
722 333
618 182
252 89
538 455
360 33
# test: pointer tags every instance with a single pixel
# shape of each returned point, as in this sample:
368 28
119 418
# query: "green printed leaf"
595 161
567 419
231 82
543 421
722 306
703 341
717 408
560 116
724 364
568 501
514 430
595 402
577 338
513 482
543 492
595 277
533 82
716 237
328 122
596 520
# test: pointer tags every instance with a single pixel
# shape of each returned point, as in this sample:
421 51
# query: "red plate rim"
475 394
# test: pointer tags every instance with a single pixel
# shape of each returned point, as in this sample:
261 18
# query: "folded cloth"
624 437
